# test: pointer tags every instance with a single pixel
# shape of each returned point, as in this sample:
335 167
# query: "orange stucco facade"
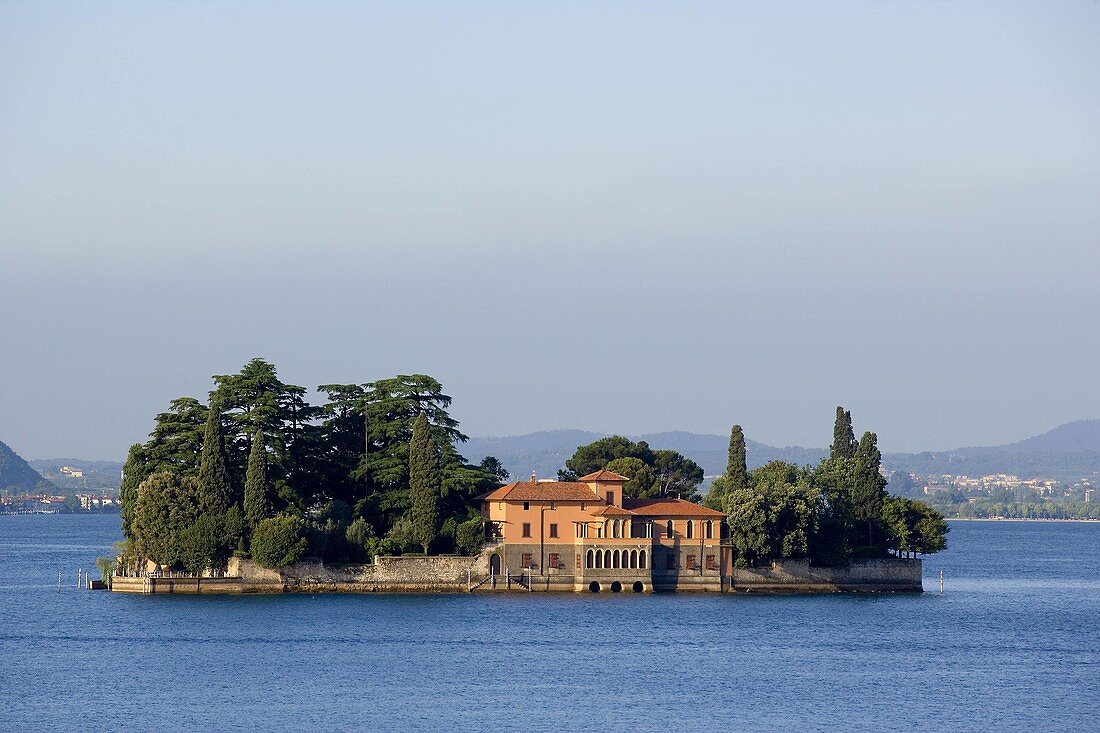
585 535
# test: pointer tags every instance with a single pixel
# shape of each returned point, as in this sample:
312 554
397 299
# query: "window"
641 559
526 561
691 562
526 505
670 561
610 497
668 529
553 530
710 530
500 505
712 563
691 529
526 529
553 505
589 560
584 506
615 559
555 560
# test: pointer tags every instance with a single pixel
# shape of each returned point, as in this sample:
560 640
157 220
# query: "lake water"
1012 645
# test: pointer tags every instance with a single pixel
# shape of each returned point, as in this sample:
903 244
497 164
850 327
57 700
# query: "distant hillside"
16 475
96 474
1080 436
1068 451
545 452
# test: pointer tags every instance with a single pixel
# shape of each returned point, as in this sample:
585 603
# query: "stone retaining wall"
886 574
188 586
452 574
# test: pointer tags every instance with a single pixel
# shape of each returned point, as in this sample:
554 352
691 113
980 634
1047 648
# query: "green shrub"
279 541
470 536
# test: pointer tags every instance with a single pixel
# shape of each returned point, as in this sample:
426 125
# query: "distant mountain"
16 475
545 452
1079 436
1068 451
95 474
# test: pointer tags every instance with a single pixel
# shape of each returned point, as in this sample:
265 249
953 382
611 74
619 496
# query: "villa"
585 535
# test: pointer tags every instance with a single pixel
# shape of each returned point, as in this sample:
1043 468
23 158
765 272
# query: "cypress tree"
737 471
215 493
869 486
257 485
844 438
134 471
424 483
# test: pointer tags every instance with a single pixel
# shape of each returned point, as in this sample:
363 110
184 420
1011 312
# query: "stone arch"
616 587
594 587
589 560
634 558
615 560
494 564
606 559
641 559
638 586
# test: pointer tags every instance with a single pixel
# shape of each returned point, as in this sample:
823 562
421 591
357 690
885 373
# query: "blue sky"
623 217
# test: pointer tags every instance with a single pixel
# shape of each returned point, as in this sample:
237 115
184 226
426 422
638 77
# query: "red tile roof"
668 508
612 511
604 475
542 491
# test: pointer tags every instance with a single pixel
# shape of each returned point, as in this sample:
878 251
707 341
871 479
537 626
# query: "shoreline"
1016 519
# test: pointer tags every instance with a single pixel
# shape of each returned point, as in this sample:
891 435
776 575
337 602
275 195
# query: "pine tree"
869 486
257 484
737 471
214 489
844 438
424 483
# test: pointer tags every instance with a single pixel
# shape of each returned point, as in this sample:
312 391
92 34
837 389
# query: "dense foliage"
279 541
651 473
829 513
257 469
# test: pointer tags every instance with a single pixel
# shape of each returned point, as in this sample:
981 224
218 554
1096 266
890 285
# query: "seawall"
454 574
798 576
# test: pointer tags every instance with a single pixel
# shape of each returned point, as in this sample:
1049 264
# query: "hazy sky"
623 217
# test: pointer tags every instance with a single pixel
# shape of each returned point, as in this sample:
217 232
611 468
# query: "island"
257 491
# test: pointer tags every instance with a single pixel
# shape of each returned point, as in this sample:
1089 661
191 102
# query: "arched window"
599 559
691 529
615 563
589 560
668 529
633 558
641 559
615 528
607 558
710 530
